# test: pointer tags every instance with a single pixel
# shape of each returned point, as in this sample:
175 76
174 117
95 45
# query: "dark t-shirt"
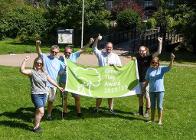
143 64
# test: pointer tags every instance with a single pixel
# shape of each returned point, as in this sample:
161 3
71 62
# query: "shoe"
111 111
79 115
37 130
64 114
146 115
160 123
95 110
49 118
148 121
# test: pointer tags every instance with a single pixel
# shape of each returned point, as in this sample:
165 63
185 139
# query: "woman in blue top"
155 76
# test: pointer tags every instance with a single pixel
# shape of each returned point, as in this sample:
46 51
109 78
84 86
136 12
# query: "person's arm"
23 70
94 46
172 60
83 49
54 83
38 49
160 40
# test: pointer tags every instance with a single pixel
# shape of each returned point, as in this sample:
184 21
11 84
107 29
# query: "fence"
147 38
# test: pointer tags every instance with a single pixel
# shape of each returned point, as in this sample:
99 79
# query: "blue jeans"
156 98
39 100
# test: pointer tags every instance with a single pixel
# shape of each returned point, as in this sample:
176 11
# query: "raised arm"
160 40
22 68
172 60
38 49
86 46
54 83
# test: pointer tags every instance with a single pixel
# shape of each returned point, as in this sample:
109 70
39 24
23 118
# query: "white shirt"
106 59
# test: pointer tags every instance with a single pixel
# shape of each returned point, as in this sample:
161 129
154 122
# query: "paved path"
86 59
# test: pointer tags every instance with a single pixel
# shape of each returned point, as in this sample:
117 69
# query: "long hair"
35 61
157 59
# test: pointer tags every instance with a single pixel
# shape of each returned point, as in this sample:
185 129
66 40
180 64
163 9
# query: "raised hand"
172 56
27 58
160 39
38 42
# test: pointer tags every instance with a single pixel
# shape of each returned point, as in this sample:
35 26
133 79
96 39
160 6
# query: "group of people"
46 69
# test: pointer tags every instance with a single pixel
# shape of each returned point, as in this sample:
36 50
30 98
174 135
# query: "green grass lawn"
179 120
8 46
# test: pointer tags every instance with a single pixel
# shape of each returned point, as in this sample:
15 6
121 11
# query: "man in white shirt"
105 58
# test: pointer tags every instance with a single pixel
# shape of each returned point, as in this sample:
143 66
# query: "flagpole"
82 33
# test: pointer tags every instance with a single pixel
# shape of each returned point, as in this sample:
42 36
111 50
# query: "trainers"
37 130
79 115
112 111
64 114
49 118
160 123
95 110
146 115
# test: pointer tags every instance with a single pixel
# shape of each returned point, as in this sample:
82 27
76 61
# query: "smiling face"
38 64
143 51
155 62
109 47
54 50
67 52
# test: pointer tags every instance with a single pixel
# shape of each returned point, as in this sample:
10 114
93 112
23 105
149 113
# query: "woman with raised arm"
155 78
38 78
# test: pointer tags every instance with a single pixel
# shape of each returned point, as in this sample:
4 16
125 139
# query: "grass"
10 46
16 113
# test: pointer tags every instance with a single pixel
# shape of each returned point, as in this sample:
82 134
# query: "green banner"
102 82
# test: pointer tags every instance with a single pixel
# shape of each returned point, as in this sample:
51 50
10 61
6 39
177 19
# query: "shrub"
128 18
23 22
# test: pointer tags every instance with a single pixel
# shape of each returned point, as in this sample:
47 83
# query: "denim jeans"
157 98
39 100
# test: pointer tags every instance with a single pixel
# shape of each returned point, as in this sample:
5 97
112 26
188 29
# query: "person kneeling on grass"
38 78
154 76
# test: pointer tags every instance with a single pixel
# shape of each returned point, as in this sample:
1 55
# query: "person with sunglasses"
73 56
105 58
155 78
143 62
39 79
52 66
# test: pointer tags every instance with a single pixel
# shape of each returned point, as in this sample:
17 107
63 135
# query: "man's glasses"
68 52
54 52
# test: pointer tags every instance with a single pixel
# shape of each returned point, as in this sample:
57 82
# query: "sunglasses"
38 63
68 52
54 52
154 62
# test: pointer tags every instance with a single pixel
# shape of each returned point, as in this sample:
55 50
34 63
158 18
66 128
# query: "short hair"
146 48
108 43
67 47
54 47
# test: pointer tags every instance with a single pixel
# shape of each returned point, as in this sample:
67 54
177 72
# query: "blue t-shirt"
73 57
155 78
52 66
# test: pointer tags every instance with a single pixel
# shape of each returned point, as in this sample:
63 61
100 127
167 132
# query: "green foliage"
151 23
128 19
24 22
68 15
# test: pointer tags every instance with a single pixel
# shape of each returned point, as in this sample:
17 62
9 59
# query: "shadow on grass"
24 114
15 124
89 113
